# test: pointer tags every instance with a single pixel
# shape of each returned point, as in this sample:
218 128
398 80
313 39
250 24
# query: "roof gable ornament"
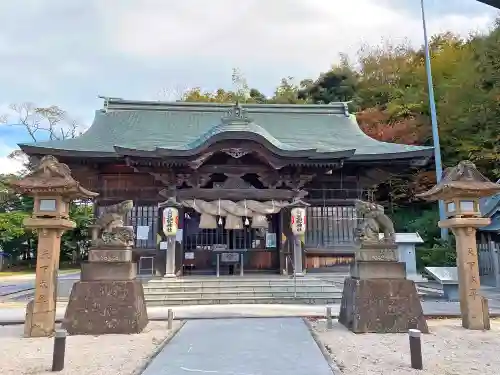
236 114
236 152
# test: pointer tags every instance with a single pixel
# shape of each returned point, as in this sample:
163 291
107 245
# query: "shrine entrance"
229 251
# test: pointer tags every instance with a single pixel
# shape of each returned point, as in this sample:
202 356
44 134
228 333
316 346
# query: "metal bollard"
59 350
415 349
170 318
329 322
486 314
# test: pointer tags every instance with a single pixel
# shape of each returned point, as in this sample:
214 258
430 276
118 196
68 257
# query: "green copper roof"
149 126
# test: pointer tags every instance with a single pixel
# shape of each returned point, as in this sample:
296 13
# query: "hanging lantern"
298 220
170 221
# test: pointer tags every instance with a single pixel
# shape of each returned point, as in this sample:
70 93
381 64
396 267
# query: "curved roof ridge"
238 128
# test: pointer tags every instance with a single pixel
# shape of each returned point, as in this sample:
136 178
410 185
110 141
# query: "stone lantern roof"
51 177
463 180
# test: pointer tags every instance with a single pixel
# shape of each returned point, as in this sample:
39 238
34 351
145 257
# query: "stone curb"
214 317
158 350
333 366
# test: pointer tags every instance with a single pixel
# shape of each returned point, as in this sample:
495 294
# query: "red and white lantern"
170 221
298 220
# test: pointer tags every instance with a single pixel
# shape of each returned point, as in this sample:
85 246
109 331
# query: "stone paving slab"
241 347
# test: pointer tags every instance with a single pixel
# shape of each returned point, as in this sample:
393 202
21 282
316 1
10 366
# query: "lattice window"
330 226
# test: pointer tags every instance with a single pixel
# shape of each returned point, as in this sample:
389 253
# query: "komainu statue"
374 222
50 164
111 229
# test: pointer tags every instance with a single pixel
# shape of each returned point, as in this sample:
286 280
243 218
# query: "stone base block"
38 324
388 255
111 271
378 270
103 307
98 255
381 306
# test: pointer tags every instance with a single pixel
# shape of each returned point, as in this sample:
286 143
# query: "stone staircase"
242 290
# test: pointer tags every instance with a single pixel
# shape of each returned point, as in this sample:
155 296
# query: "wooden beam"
239 170
233 194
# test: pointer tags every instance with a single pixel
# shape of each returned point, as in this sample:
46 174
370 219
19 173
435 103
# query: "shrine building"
233 168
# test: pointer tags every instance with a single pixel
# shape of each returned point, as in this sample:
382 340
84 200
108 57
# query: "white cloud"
8 165
309 34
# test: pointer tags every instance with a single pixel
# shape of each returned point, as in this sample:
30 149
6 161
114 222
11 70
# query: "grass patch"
16 273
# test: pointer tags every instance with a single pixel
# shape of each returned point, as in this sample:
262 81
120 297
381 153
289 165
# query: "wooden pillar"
286 242
160 256
179 245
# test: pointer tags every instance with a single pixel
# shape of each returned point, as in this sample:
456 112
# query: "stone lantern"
461 188
53 188
170 224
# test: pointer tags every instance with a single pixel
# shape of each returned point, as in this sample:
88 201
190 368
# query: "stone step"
233 279
208 289
245 300
237 283
242 291
235 289
237 294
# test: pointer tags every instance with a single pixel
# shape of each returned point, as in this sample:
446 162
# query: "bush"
442 254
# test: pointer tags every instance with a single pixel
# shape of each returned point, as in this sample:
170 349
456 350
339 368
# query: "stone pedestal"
381 306
108 299
377 297
41 312
471 305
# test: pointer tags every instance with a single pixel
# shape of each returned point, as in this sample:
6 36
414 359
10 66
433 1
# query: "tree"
240 93
53 121
288 92
78 239
19 241
339 84
41 123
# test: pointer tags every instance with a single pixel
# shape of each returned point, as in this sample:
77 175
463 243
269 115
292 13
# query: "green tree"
339 84
77 240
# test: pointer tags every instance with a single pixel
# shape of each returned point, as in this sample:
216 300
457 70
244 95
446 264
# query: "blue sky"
68 52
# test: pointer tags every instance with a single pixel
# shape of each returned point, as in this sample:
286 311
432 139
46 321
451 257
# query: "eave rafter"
236 148
233 194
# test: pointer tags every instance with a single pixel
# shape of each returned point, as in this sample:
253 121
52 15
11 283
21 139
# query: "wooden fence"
489 263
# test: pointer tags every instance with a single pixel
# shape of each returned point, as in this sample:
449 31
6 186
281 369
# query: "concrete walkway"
241 347
15 284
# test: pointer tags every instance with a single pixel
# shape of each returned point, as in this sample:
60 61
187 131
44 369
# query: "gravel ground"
92 355
447 350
